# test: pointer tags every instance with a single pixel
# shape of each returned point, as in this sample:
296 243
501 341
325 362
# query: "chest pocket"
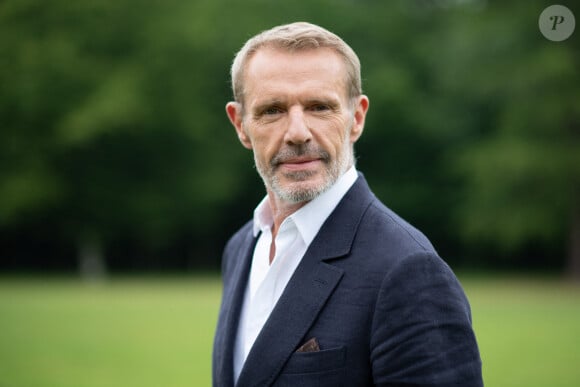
321 368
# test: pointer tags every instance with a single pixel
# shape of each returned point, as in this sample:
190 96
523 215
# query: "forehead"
273 72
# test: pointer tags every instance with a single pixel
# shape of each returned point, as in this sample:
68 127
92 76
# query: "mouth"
299 163
300 159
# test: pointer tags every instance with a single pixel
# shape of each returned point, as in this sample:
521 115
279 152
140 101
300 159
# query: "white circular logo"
557 23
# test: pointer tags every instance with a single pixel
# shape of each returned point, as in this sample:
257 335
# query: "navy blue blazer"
384 308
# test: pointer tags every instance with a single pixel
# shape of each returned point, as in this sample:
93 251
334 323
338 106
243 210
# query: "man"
326 286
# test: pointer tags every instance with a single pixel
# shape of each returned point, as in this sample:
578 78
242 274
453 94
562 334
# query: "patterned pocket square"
309 346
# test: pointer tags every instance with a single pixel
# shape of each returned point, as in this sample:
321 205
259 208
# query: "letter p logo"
557 23
556 20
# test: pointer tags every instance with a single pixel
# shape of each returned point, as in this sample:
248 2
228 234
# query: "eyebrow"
330 101
324 100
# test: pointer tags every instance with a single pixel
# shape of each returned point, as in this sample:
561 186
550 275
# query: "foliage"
522 171
113 127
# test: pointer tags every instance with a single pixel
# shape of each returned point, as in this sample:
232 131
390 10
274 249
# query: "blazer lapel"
311 285
231 306
292 316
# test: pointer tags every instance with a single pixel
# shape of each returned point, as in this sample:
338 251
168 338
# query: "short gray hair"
295 37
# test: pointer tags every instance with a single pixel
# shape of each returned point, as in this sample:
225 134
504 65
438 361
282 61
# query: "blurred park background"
117 159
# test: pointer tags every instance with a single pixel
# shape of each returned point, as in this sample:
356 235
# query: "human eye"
320 107
271 110
268 111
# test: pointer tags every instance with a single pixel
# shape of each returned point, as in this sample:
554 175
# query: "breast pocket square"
309 346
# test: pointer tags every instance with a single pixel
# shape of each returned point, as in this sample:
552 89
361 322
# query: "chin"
302 191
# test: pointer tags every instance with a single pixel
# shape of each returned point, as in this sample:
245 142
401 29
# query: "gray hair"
295 37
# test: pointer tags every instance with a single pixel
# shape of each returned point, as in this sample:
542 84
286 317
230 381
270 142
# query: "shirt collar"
308 219
263 218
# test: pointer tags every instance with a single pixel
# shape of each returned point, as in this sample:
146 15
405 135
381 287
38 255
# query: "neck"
281 209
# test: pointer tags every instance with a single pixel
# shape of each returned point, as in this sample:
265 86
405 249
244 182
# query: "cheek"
265 145
333 134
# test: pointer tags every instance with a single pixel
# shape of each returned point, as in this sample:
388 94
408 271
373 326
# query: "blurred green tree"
521 161
112 123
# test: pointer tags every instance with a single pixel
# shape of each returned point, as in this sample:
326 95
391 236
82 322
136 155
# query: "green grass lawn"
158 332
528 330
146 332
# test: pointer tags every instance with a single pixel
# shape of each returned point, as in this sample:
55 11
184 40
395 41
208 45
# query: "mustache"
302 150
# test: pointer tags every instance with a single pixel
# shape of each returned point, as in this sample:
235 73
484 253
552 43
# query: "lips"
299 163
299 160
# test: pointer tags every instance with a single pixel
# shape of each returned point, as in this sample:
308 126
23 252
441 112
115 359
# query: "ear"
361 107
235 114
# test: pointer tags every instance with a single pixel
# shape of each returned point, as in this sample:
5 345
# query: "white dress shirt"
267 281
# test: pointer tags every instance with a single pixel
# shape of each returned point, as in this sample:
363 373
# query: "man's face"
298 120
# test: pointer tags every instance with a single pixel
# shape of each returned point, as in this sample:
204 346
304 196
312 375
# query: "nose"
297 131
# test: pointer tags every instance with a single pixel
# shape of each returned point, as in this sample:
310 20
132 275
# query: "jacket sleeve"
421 330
